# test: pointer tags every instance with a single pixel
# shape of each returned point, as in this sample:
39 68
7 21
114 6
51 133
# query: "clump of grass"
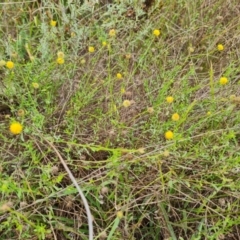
139 108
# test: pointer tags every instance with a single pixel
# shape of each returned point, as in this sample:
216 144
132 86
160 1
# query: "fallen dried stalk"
89 215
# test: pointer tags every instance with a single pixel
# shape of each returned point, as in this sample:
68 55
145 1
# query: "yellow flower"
120 214
60 54
191 49
169 135
112 33
53 23
2 63
223 80
209 113
83 61
128 56
169 99
156 32
119 76
175 117
220 47
123 90
9 64
60 60
114 107
91 49
104 43
126 103
16 128
35 85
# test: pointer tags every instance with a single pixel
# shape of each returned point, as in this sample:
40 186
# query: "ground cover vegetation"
140 99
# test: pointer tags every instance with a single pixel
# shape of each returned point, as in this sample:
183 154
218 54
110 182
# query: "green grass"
183 188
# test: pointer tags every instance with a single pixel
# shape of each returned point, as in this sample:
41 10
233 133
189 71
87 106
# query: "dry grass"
184 188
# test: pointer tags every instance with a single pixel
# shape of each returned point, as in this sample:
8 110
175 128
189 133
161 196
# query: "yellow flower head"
2 63
9 64
220 47
83 61
191 49
128 56
35 85
104 43
60 60
119 214
156 32
169 99
53 23
91 49
169 135
126 103
16 128
119 76
123 90
112 33
60 54
223 81
175 117
209 113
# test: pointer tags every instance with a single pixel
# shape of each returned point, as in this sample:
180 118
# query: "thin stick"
89 215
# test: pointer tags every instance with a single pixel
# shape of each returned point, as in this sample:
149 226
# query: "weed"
133 106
